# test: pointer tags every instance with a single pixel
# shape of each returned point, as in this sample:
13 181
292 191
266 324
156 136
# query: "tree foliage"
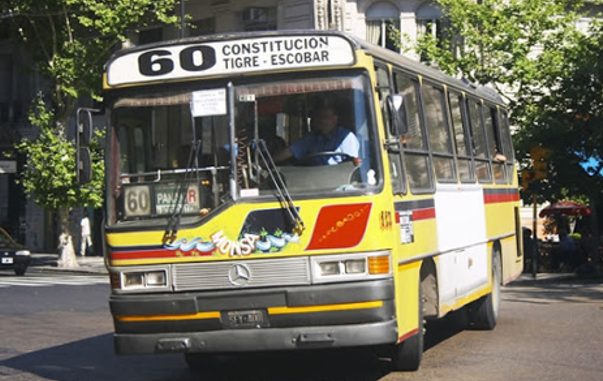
568 121
548 71
69 41
504 44
49 176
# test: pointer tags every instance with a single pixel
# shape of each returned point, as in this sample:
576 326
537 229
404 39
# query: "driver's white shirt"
339 140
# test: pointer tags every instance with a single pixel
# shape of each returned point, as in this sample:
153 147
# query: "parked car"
12 254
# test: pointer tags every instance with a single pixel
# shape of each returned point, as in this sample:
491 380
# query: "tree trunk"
595 255
66 250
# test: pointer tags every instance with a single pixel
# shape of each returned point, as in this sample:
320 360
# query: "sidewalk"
48 262
542 278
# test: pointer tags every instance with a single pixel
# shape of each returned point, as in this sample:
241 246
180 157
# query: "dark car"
13 255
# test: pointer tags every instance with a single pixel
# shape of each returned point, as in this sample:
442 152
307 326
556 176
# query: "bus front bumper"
249 340
318 316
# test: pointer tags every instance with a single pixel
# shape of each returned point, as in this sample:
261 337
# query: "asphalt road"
547 331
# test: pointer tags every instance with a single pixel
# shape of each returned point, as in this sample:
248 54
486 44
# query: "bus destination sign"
228 57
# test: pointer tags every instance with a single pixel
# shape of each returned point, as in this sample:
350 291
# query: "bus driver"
327 138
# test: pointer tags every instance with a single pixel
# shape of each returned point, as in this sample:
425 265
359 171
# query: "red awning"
566 208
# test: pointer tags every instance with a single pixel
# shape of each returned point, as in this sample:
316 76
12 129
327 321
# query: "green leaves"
49 174
568 118
549 72
70 41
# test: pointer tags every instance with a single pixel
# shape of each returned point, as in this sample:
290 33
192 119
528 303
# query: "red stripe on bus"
502 197
408 335
423 214
148 254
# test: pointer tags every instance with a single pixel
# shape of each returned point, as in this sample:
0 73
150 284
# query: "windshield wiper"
192 166
281 188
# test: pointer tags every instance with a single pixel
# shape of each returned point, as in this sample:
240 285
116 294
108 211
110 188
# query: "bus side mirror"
82 141
399 114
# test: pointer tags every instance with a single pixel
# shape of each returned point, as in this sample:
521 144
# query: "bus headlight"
329 268
155 279
141 280
349 267
355 266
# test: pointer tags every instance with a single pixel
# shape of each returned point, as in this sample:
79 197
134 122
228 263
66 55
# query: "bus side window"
439 134
507 144
463 146
416 155
478 138
395 160
494 146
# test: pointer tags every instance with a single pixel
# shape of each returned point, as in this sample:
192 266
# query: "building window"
383 25
431 22
150 35
203 27
258 18
6 90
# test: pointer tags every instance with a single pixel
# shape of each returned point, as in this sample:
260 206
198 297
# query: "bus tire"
407 354
483 313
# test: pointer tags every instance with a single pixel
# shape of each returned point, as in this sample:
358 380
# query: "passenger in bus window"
328 144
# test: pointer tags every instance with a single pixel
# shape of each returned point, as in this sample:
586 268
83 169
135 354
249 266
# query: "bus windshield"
319 132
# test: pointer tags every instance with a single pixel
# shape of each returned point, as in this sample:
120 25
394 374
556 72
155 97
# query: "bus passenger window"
463 150
480 151
439 134
507 146
416 155
418 171
408 88
494 146
395 160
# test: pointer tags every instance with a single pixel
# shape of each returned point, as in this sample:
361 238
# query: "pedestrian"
86 241
530 250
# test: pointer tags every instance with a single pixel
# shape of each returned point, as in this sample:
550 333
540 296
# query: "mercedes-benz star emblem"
239 275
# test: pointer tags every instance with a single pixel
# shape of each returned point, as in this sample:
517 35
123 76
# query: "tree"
549 73
503 44
568 121
70 41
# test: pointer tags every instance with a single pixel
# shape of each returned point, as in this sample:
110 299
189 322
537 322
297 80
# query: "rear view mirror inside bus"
398 111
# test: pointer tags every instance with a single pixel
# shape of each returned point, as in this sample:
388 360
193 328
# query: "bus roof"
378 52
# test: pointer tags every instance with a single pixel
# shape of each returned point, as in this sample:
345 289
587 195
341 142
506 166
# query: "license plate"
244 319
7 261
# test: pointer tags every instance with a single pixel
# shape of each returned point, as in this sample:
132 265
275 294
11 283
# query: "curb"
48 262
550 278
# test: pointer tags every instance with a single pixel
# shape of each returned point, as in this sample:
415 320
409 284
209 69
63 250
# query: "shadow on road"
543 292
90 359
93 359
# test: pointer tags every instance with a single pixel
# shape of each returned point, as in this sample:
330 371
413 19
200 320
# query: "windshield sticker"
208 103
222 245
340 226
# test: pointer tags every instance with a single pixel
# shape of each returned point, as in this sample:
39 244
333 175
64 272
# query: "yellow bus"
297 190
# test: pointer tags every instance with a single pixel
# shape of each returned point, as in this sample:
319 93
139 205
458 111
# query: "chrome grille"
263 273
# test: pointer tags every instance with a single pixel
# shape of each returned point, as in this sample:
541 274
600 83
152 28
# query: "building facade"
371 20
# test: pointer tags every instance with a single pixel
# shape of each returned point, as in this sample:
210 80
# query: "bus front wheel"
483 313
407 354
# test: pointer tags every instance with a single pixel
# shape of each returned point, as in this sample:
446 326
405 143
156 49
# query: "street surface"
57 326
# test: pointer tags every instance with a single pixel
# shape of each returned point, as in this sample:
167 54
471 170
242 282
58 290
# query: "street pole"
535 252
182 24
